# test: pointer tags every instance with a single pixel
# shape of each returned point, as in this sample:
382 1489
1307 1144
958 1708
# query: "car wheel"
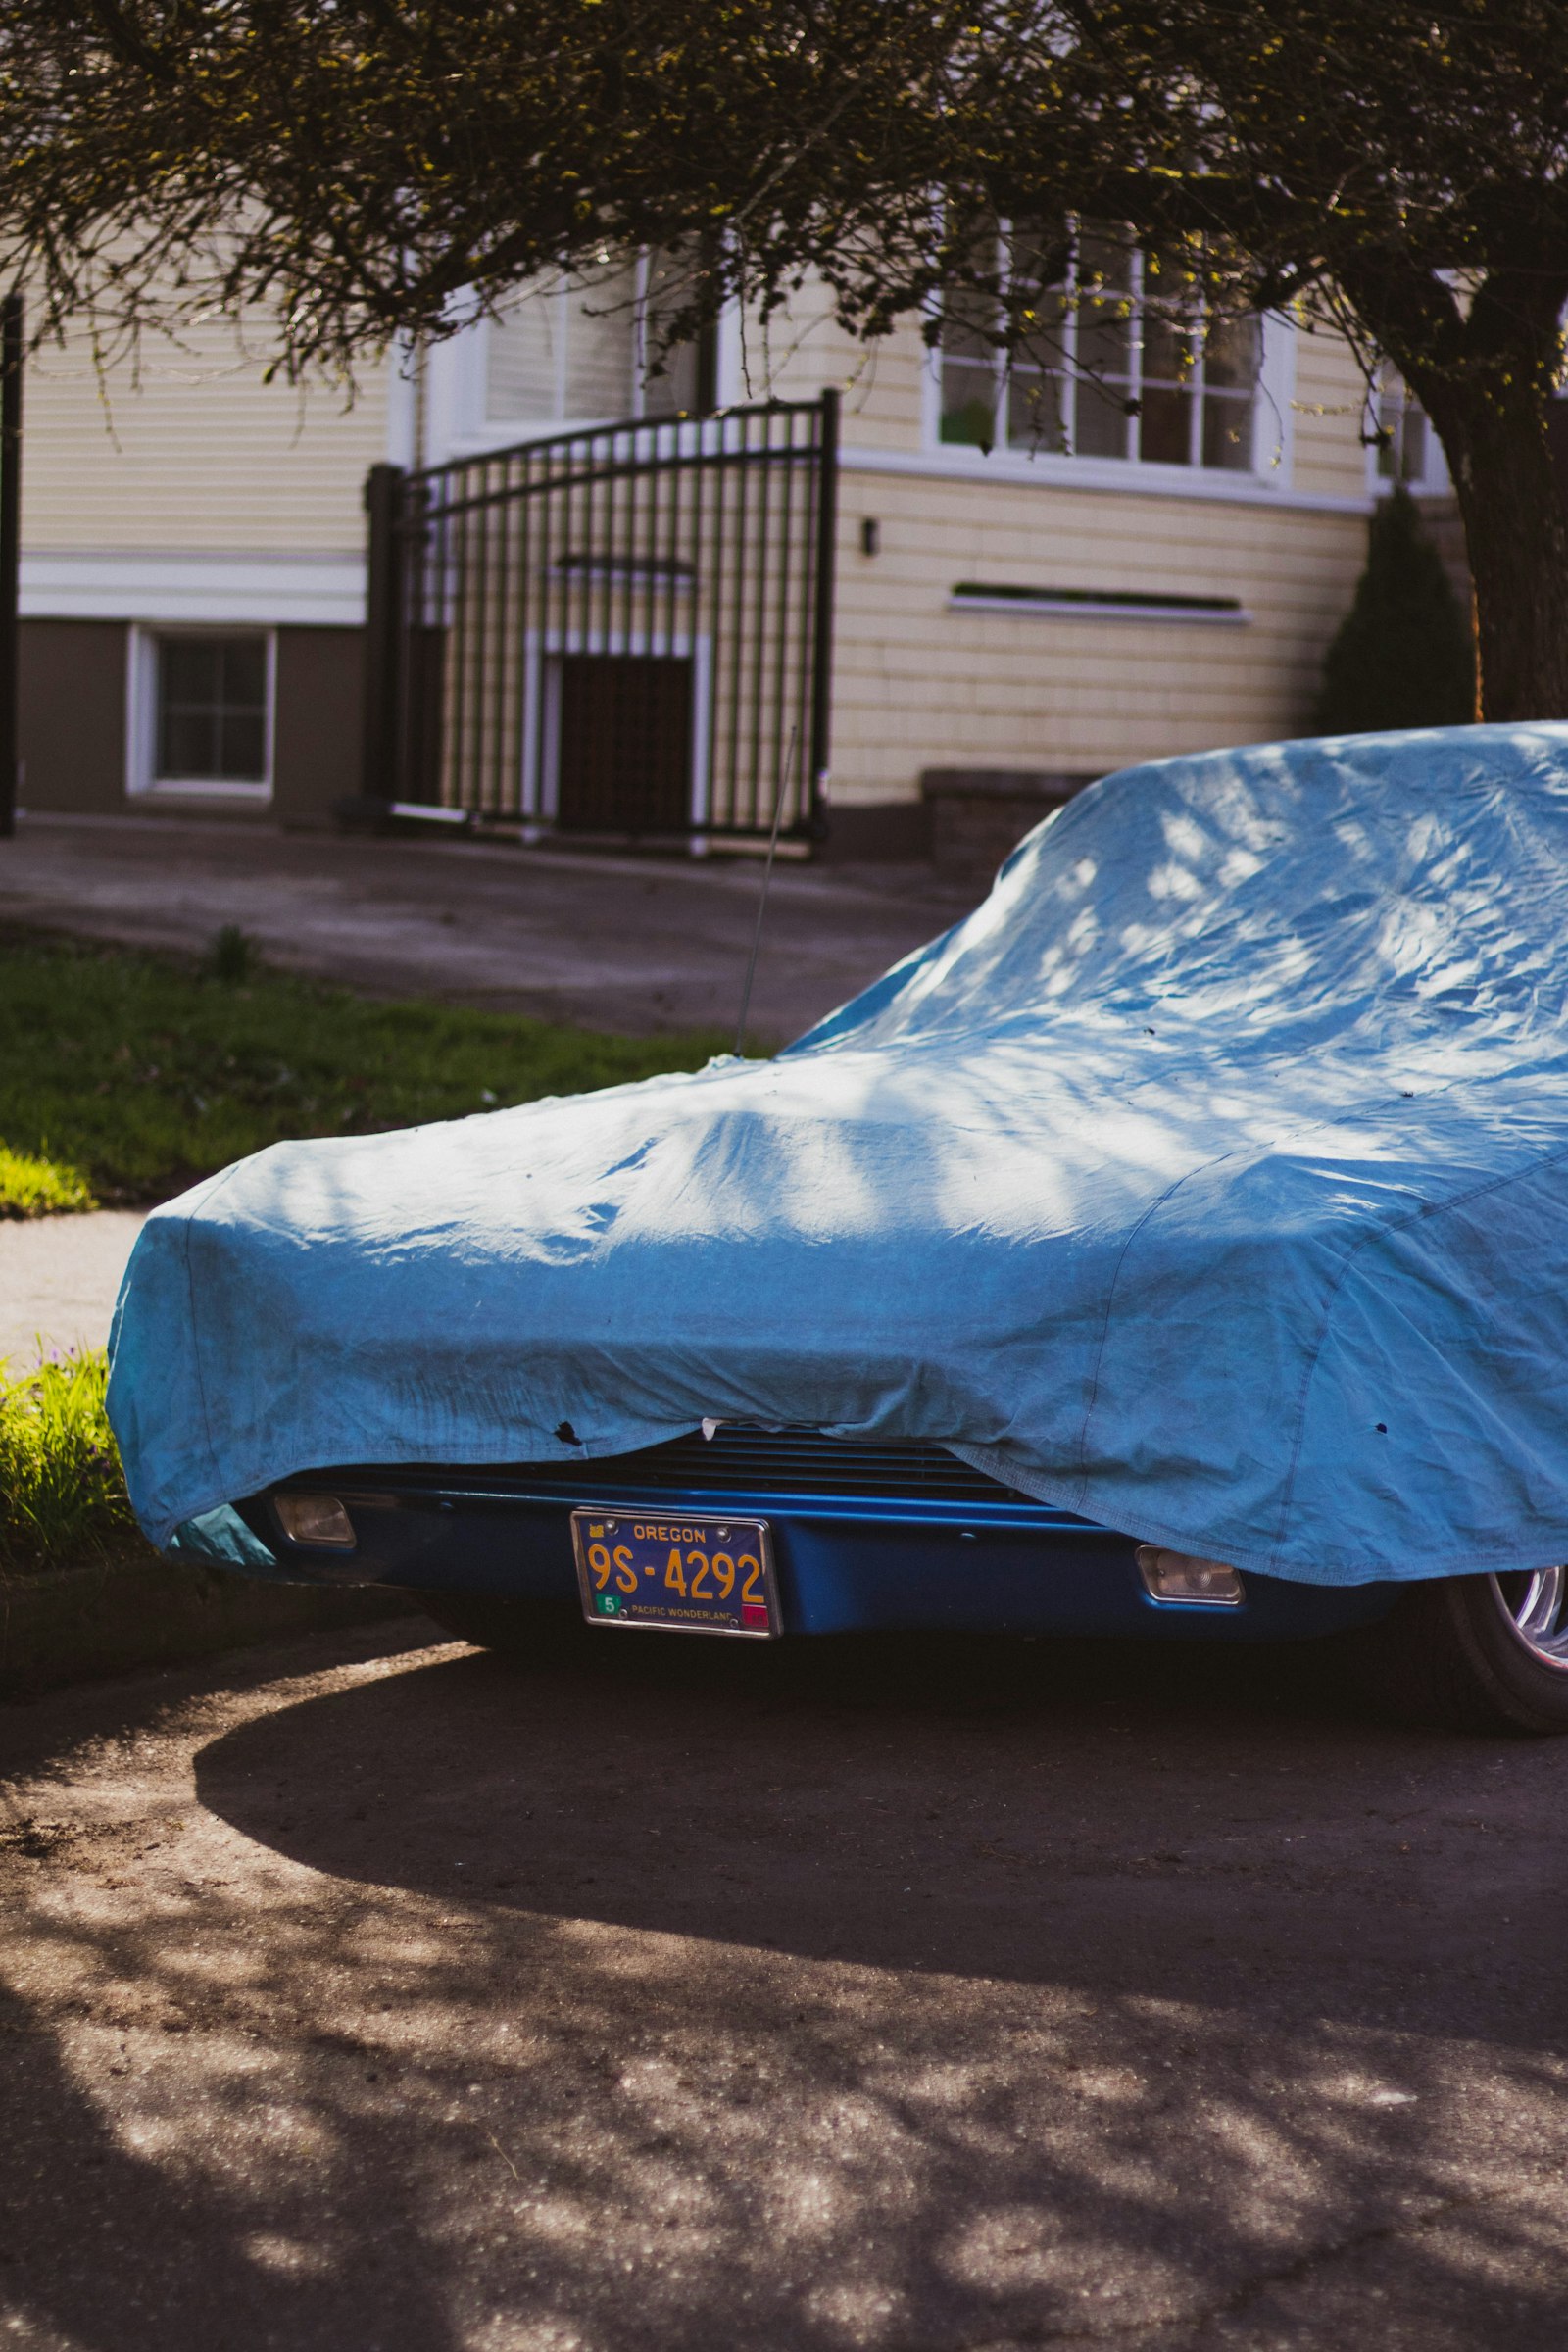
528 1630
1475 1654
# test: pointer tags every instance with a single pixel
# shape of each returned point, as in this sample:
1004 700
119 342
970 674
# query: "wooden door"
625 743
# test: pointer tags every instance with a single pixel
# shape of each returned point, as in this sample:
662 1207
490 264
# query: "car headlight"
314 1519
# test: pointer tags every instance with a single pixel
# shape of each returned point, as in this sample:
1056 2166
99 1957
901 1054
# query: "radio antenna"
762 902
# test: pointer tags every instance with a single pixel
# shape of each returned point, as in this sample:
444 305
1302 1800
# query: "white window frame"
142 781
1434 479
456 384
1272 437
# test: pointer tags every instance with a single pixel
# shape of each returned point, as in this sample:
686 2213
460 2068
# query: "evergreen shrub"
1403 655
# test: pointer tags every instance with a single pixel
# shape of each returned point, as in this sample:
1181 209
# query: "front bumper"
976 1557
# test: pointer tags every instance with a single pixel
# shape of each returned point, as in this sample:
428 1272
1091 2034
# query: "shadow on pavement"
1119 1818
917 1996
107 2246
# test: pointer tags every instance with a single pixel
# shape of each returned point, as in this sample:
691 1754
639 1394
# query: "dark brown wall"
70 717
72 721
883 831
315 754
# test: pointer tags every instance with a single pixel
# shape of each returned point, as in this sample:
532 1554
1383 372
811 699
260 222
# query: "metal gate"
626 632
11 358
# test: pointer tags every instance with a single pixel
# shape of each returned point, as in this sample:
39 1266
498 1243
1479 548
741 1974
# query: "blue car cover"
1210 1179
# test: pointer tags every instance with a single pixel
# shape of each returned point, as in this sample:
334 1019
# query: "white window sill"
953 463
166 788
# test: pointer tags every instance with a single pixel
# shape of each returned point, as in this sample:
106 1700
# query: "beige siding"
919 685
1329 409
883 383
201 455
195 453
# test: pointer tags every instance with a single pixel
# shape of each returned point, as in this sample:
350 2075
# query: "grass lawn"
63 1501
125 1076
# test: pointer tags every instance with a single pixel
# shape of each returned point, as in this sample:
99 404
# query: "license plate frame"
749 1613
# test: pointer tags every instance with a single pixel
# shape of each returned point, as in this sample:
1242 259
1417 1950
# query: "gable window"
1121 360
583 351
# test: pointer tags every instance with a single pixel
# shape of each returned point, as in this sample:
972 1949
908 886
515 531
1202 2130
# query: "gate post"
11 354
827 522
384 621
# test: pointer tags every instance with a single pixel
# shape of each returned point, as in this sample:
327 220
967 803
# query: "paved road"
615 943
366 1998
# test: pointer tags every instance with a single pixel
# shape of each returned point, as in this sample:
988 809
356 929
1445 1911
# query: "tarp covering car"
1210 1180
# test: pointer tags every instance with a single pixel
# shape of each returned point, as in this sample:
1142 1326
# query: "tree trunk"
1516 534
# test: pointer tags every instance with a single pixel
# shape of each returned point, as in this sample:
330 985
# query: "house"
531 578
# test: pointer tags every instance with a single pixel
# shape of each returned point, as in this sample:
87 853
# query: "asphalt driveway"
614 943
366 1995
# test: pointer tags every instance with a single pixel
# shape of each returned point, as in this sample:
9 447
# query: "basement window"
202 717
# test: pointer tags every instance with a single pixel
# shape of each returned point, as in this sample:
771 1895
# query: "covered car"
1180 1243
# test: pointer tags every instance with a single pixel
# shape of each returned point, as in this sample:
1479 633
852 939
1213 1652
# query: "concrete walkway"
615 943
59 1279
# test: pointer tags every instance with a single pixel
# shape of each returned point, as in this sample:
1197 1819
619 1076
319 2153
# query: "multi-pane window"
1407 448
1118 359
583 352
210 711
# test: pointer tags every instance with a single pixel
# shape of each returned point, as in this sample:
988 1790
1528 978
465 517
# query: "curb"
74 1624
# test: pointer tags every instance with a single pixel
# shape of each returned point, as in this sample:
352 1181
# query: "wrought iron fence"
10 361
625 630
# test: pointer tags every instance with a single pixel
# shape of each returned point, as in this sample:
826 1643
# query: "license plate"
689 1574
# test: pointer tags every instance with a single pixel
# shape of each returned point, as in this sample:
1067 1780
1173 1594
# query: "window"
581 352
201 711
1119 361
1405 448
212 710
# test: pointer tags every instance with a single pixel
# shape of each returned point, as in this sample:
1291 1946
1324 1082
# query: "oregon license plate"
686 1574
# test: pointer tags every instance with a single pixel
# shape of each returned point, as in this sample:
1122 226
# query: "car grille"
738 1459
